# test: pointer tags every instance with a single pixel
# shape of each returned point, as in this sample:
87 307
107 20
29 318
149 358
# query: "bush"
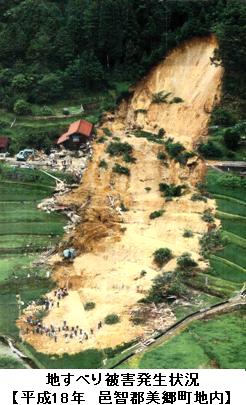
156 214
101 139
165 287
112 319
65 111
174 149
160 97
162 256
161 156
176 100
147 189
210 150
123 207
121 169
231 181
22 107
183 157
222 116
187 233
103 164
207 217
170 190
231 138
89 306
211 241
119 148
161 133
129 159
198 197
107 132
185 261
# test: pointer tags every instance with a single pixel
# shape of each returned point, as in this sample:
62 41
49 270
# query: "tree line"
50 48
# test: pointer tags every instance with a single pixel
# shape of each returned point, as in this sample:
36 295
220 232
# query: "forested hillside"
49 48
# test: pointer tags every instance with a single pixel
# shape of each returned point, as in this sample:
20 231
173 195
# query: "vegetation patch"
156 214
170 190
112 319
119 148
162 256
121 169
89 306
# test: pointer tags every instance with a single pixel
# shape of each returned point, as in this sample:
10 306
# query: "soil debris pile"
117 236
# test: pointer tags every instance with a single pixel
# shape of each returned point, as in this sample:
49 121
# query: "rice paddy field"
24 233
216 342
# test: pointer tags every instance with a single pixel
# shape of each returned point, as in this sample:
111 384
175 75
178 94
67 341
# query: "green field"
213 343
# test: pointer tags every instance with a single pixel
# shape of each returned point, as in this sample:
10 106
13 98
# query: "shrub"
207 217
65 111
232 138
103 164
156 214
161 156
183 157
231 181
176 100
222 116
107 132
198 197
143 273
123 207
89 306
119 148
102 139
22 107
170 190
210 150
160 97
147 189
162 256
46 111
212 241
121 169
165 287
185 261
174 149
187 233
161 133
128 158
3 124
112 319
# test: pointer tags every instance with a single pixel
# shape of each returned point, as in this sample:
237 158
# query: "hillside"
116 238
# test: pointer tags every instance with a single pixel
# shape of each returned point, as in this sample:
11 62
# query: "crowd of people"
63 331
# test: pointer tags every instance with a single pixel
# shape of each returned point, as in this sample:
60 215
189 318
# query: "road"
141 347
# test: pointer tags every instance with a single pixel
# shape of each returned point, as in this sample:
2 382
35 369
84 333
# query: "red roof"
78 127
4 141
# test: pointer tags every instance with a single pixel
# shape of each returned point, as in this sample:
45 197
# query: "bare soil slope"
116 246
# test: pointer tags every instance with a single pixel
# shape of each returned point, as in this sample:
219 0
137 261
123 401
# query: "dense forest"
50 48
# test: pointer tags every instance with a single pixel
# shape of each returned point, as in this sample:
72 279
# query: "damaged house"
79 133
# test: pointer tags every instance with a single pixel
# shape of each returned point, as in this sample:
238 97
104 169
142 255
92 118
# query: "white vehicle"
23 155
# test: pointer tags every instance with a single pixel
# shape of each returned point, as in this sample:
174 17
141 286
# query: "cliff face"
116 246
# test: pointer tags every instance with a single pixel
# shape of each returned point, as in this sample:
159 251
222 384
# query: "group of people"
68 333
59 294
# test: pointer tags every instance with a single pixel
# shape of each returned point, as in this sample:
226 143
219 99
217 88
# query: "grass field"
213 343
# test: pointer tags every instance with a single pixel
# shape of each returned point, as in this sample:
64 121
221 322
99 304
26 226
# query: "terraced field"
24 233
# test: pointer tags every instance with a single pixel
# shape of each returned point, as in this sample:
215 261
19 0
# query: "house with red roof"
4 144
78 133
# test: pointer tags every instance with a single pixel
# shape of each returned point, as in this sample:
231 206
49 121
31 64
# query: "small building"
79 132
4 144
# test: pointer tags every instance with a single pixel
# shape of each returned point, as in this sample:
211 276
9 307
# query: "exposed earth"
116 246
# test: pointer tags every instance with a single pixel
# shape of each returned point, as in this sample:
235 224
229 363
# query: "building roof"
81 127
4 141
